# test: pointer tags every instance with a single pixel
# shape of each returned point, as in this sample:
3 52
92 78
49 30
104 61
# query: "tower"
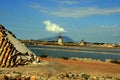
60 40
82 43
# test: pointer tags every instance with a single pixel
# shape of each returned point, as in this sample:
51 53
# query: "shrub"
85 76
43 56
117 78
115 61
65 58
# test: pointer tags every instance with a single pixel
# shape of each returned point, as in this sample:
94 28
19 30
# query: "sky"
91 20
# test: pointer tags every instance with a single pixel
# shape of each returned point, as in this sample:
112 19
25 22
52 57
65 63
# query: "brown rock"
33 78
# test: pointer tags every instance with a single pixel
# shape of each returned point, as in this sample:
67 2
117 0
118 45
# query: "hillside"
55 38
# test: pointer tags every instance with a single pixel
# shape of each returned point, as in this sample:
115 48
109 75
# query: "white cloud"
39 7
110 26
84 11
68 2
75 12
52 27
73 2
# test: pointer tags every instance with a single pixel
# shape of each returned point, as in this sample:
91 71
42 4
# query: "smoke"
52 27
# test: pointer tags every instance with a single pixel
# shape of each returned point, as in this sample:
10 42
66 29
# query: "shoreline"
73 50
83 59
65 46
78 51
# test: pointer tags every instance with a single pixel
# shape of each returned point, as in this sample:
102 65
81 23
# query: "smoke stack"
60 40
54 28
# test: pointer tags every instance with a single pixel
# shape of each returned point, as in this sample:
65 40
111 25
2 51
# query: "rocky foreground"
60 69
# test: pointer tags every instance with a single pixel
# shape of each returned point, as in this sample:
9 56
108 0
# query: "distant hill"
55 38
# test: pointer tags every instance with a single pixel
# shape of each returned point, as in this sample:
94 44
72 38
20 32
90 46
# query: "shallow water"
81 52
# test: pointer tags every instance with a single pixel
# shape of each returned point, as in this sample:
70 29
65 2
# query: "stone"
33 78
2 76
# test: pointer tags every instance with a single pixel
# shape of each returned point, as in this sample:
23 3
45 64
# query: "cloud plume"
52 27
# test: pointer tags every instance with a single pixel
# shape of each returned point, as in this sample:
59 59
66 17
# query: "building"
60 40
82 43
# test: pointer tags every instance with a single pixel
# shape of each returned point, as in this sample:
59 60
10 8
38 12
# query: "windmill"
60 40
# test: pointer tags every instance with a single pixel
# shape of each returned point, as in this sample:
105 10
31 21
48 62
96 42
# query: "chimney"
60 41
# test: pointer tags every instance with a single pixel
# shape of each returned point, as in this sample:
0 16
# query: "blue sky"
91 20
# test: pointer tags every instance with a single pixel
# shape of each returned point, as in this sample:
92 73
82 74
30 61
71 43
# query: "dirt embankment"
92 67
60 69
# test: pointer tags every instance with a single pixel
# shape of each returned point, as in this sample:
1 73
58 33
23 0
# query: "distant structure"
82 43
60 40
108 45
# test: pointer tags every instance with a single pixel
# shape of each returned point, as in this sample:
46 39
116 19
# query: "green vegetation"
43 56
115 61
86 76
0 72
65 58
16 72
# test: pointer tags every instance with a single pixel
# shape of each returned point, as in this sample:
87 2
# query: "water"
81 52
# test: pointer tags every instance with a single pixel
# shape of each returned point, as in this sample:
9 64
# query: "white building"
82 43
60 40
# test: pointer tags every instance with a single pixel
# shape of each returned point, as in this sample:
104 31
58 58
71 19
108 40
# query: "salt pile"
12 51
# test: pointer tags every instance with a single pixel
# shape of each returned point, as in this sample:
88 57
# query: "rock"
27 78
12 51
12 76
2 76
33 78
23 77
